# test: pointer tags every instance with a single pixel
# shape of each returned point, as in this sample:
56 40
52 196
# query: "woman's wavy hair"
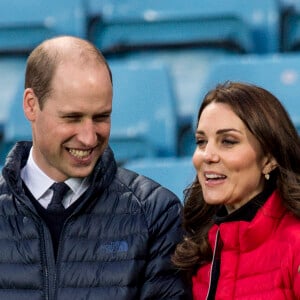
269 122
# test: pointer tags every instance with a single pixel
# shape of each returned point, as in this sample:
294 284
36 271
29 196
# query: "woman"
242 213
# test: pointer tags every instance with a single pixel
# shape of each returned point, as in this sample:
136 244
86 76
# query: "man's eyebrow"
70 114
79 113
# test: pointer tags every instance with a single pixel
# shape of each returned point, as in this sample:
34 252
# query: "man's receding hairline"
65 49
69 46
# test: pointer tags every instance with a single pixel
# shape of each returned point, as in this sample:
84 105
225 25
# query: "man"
105 233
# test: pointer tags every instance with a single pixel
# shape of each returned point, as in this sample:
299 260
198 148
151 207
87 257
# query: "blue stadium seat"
288 3
143 118
12 70
290 25
17 127
174 173
124 25
24 24
280 74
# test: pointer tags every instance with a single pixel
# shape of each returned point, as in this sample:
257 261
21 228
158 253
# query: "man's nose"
87 134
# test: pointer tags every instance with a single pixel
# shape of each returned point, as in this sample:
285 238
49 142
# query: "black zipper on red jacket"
215 268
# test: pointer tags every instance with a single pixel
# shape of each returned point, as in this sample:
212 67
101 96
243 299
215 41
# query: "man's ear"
30 104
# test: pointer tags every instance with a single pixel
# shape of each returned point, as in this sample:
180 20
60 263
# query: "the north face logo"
116 246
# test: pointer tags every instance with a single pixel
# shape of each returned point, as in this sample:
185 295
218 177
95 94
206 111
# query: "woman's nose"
210 154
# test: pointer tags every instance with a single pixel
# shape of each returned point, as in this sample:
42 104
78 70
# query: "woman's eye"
229 142
200 142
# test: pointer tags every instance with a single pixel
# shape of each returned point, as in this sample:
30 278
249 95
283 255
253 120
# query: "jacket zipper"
64 229
45 266
212 263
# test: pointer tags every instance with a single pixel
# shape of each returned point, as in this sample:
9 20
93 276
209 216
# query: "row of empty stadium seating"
246 26
119 26
24 24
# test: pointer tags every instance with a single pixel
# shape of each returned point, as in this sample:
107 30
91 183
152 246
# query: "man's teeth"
80 153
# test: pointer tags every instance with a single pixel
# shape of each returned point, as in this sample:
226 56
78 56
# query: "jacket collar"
244 235
100 178
247 212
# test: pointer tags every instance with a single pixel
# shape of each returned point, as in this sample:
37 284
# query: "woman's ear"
269 165
30 104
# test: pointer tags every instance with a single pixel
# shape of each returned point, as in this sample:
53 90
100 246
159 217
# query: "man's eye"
101 118
72 118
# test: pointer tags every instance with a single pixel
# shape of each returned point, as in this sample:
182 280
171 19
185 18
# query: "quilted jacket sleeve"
162 280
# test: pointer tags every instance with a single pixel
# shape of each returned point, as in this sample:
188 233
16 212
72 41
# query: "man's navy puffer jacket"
117 244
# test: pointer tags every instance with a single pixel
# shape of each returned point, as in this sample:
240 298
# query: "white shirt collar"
39 183
35 179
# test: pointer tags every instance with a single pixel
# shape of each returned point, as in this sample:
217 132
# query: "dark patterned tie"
59 191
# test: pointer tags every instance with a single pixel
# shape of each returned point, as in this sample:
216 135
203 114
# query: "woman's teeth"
214 176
